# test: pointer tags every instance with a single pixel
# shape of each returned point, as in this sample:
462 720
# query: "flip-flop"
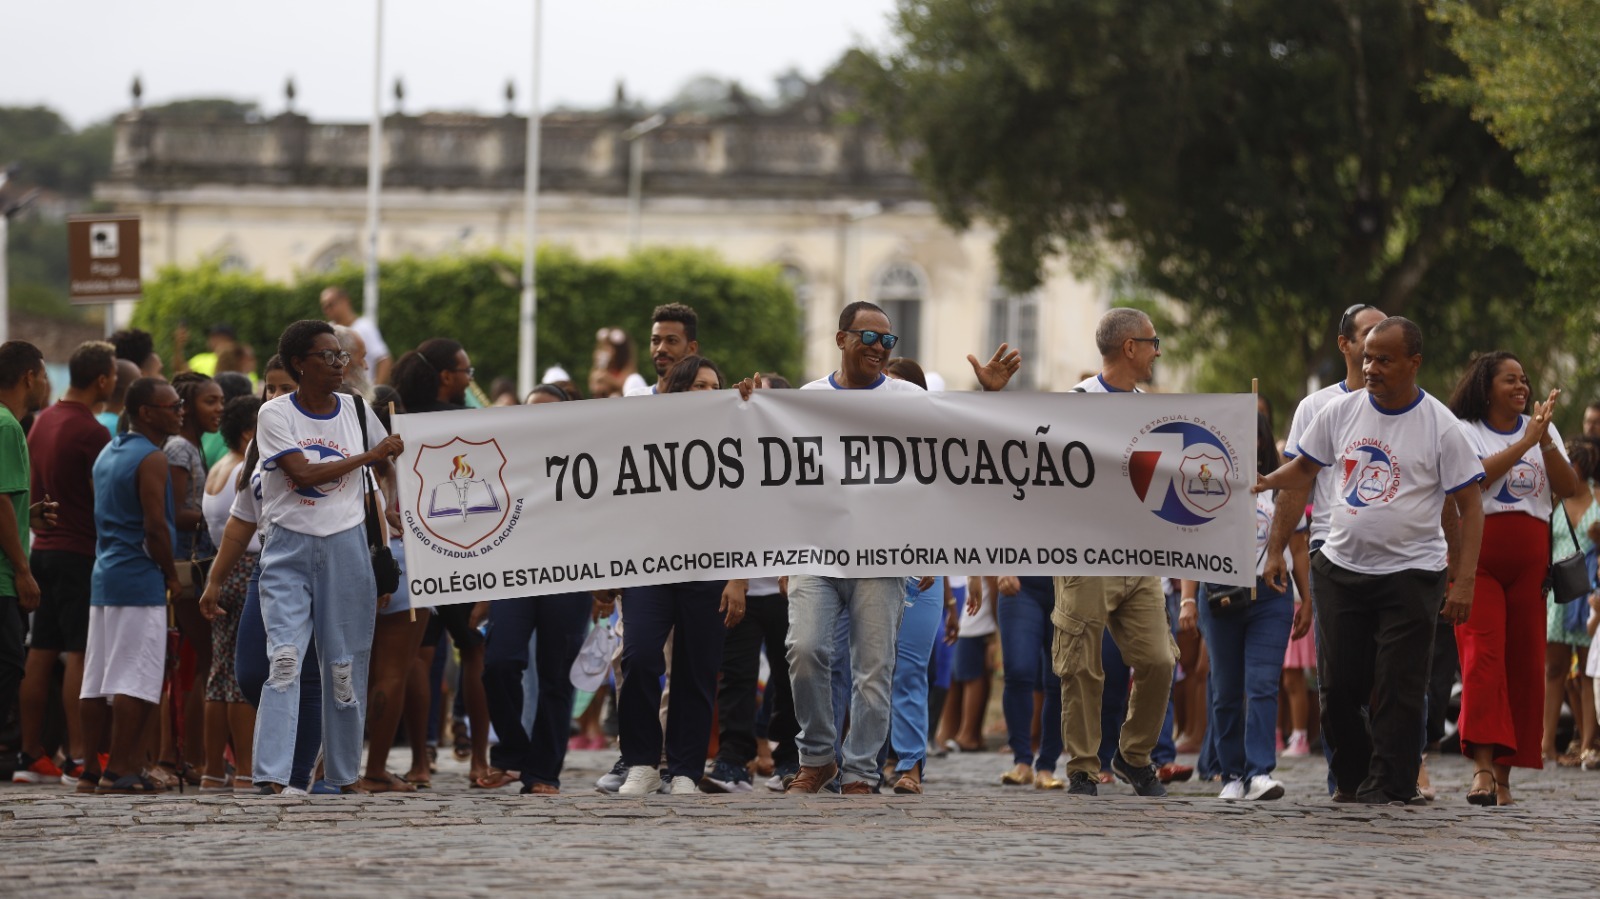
421 783
386 784
128 785
494 779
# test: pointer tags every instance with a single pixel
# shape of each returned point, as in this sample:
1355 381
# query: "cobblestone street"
966 836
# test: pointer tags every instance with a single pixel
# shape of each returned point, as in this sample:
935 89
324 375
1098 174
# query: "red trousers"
1502 642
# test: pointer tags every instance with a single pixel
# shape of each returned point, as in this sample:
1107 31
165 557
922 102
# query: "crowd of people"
201 583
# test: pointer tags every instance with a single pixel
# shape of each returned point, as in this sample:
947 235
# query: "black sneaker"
611 781
1145 781
781 778
1081 784
726 778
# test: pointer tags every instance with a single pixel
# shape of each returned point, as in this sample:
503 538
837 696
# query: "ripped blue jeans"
318 586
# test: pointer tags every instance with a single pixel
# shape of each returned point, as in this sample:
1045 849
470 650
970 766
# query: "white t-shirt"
884 383
283 427
1526 487
1392 470
634 385
219 506
1324 493
981 624
247 503
1266 507
1097 384
377 350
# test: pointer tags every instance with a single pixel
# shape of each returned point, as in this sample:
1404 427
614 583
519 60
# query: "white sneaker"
1233 789
642 780
1263 787
293 791
683 786
1298 746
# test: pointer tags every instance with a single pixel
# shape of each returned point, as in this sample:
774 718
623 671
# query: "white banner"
563 497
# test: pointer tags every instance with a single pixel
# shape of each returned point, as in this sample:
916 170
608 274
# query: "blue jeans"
1114 708
1025 635
688 612
559 623
1246 666
318 586
908 699
874 606
250 667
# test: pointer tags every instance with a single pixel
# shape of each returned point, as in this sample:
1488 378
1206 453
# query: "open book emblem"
463 499
1203 481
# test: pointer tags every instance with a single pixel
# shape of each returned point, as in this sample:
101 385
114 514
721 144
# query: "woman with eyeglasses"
434 377
316 574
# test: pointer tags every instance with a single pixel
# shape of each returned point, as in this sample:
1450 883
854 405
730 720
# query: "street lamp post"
636 173
369 287
528 330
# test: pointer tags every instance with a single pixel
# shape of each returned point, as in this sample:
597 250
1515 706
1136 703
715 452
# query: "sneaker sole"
29 777
1275 792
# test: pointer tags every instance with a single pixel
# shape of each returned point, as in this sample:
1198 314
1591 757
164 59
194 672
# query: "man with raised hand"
1398 455
873 605
1132 607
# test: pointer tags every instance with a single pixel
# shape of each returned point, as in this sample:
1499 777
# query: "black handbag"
1567 579
385 570
1225 601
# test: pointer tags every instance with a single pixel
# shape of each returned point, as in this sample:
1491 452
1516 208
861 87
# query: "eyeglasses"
1155 342
332 357
170 407
1347 319
870 337
468 370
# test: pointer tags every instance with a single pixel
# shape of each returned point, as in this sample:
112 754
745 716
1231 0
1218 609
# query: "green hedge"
748 317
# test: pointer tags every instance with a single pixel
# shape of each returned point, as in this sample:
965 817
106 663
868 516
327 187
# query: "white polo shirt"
884 382
1526 487
1097 384
1324 491
1391 470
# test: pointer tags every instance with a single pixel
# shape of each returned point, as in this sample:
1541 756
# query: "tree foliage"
1265 164
748 318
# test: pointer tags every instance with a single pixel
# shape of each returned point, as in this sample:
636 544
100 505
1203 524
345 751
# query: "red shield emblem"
1203 482
463 500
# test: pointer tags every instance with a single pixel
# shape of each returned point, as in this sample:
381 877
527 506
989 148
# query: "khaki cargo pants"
1135 611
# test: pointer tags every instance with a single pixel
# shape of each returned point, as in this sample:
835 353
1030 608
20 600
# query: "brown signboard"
103 257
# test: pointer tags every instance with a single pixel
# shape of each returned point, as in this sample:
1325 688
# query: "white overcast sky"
79 56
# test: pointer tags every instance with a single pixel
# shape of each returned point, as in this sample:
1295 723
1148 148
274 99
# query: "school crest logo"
1524 480
1183 471
463 500
1371 475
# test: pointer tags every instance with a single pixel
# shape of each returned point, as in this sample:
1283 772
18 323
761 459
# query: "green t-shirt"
13 483
213 447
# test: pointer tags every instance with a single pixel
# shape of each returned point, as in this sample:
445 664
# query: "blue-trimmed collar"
1107 385
1515 429
1409 406
834 382
337 405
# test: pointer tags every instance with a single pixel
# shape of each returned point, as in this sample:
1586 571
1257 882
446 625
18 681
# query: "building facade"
799 187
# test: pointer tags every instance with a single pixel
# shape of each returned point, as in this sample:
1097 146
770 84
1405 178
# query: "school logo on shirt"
1524 480
1182 469
1371 473
317 453
463 500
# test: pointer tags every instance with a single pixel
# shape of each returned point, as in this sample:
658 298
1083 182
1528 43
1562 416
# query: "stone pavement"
965 836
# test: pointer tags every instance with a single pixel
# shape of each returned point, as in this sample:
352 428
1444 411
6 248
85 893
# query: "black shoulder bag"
1567 579
385 570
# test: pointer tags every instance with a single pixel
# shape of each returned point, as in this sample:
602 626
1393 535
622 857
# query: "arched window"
334 256
1014 319
899 290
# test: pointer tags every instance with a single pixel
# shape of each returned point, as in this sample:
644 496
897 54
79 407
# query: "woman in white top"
1502 641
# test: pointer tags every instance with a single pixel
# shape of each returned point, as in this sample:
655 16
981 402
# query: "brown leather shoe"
812 778
910 783
856 788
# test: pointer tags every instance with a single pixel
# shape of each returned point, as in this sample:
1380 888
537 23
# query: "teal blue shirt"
124 572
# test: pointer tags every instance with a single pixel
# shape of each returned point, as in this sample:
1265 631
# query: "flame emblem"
461 469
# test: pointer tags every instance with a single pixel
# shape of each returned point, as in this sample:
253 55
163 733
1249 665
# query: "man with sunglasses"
873 605
1133 608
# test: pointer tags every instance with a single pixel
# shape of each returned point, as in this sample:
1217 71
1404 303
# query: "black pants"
1441 678
766 622
688 612
561 622
13 661
1374 648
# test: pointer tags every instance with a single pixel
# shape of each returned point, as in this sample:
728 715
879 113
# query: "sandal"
494 779
388 783
1486 797
421 783
1506 786
131 785
540 789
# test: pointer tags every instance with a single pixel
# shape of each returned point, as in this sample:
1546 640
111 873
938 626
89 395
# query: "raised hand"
997 372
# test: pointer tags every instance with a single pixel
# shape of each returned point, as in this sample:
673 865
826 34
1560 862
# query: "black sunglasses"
870 337
1155 342
1349 315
